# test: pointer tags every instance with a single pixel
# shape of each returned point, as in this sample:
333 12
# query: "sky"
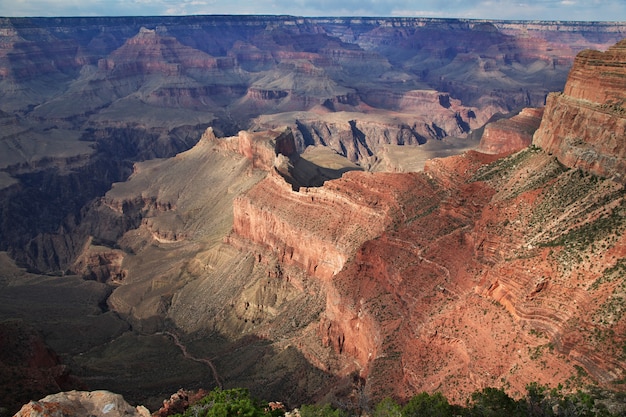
587 10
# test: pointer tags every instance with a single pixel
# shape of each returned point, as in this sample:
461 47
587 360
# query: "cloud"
488 9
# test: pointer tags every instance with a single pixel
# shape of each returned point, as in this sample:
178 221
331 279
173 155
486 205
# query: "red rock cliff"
481 271
511 135
585 126
318 229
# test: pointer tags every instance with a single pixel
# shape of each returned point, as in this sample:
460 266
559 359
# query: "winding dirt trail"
189 356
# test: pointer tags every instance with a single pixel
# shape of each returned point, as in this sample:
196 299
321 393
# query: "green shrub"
387 408
230 403
494 402
425 405
321 411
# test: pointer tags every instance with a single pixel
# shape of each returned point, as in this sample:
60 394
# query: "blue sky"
479 9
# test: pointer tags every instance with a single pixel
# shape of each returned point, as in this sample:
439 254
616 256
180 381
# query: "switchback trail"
189 356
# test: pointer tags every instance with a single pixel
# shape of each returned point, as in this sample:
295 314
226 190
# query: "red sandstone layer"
318 229
480 272
598 77
511 135
585 126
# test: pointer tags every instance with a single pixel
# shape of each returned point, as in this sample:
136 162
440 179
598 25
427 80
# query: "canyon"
320 209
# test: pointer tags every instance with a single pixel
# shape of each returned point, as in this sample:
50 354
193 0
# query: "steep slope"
161 213
490 272
586 125
506 136
413 306
192 295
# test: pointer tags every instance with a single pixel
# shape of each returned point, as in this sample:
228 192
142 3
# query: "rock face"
598 76
257 148
511 135
585 126
348 212
82 403
414 306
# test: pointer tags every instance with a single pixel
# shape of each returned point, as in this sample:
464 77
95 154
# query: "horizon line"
288 16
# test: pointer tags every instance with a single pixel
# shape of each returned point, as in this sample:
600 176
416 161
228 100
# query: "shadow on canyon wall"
61 337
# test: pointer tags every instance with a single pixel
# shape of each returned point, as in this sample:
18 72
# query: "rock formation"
179 402
361 137
506 136
347 212
586 124
82 403
412 306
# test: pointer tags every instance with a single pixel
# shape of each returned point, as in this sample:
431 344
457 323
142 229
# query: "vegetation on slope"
539 401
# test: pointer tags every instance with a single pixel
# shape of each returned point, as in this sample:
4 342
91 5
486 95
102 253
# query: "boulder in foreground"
82 403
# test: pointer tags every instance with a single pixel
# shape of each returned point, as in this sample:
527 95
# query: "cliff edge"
585 126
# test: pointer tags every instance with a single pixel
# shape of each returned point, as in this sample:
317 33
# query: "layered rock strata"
453 279
82 89
585 126
415 305
506 136
348 211
428 281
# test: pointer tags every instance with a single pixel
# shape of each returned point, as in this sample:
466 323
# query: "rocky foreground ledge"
82 403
